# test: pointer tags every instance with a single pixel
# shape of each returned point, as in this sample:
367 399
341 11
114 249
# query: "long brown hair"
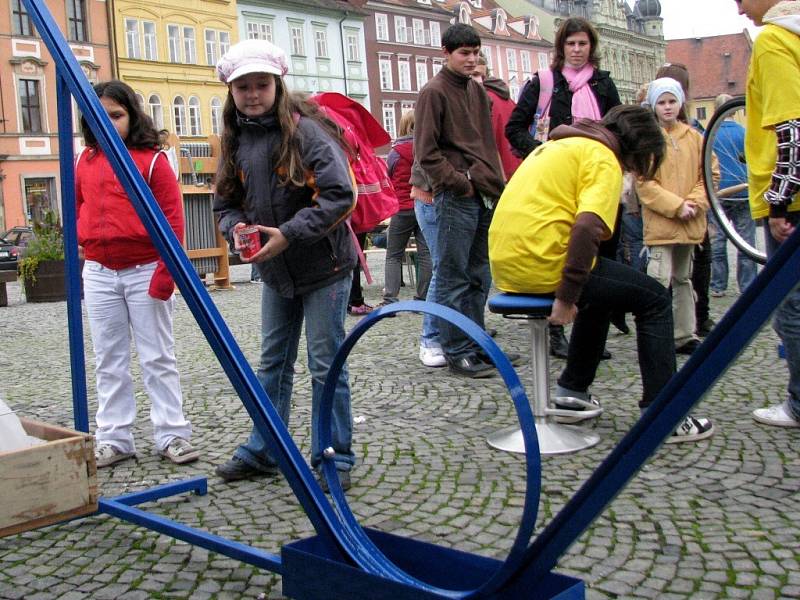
141 131
288 162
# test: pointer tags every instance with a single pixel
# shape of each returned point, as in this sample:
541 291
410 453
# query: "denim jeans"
282 318
428 222
786 323
738 212
402 226
613 286
463 278
631 243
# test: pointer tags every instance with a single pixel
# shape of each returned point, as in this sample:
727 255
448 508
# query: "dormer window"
424 2
532 28
499 22
463 13
475 3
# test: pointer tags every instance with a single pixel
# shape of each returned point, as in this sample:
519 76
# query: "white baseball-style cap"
251 56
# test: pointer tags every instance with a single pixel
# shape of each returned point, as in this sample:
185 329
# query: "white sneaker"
777 415
432 357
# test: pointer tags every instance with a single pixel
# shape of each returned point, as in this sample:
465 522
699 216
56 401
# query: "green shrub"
47 243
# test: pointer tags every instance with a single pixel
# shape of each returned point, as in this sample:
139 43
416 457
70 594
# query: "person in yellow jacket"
773 162
544 237
674 206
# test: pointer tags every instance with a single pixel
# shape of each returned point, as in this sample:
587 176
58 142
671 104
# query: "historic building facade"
29 167
323 40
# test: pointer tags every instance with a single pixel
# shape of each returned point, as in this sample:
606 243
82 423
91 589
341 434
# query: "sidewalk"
718 519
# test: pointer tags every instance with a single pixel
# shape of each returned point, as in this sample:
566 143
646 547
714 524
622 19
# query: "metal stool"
554 438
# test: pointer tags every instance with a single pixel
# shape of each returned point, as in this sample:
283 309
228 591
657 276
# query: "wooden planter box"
48 483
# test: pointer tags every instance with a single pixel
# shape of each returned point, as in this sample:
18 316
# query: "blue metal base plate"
310 572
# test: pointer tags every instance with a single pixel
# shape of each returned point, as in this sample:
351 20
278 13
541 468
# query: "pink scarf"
584 103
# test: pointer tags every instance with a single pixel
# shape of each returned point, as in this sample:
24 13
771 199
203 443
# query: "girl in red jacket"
127 288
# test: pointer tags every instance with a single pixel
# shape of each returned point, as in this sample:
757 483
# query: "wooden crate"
48 483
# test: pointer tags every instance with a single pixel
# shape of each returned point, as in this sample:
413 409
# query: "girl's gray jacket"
312 217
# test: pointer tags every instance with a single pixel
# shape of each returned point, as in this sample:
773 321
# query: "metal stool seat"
554 438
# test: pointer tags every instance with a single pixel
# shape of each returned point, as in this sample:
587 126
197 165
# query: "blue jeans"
463 278
282 318
428 222
786 323
613 287
631 243
738 212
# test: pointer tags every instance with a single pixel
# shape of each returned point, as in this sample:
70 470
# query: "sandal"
180 451
360 310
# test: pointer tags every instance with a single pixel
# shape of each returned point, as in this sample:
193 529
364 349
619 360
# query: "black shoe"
618 321
236 469
515 359
471 366
491 331
606 355
559 346
688 347
705 327
344 480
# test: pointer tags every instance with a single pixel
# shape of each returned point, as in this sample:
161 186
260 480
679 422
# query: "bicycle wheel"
729 151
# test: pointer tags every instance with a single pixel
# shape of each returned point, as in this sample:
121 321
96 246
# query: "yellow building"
166 51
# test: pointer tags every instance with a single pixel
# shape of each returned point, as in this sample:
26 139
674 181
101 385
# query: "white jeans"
117 303
671 266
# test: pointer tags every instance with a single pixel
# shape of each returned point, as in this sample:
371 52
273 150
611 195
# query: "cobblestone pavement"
717 519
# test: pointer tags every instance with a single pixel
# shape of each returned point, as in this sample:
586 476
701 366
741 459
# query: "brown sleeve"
584 239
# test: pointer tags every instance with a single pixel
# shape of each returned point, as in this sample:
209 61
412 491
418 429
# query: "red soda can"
249 240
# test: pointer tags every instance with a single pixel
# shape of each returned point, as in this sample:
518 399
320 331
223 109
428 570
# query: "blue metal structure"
343 560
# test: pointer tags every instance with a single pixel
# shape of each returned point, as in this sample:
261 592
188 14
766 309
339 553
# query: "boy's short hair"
460 35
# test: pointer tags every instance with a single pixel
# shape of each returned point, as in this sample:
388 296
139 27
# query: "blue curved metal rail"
337 527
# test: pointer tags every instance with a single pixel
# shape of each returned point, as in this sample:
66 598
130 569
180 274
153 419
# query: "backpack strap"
153 165
545 92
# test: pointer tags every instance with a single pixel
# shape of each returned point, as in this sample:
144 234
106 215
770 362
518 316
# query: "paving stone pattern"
718 519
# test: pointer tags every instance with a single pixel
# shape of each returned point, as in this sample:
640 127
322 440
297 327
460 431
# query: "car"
9 255
13 246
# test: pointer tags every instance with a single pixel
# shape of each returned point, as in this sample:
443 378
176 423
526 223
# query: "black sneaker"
691 430
688 348
471 366
236 469
559 345
344 480
705 327
515 359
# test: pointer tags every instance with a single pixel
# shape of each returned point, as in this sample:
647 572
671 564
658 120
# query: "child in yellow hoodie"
674 206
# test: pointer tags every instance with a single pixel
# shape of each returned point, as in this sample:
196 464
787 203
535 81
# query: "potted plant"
42 266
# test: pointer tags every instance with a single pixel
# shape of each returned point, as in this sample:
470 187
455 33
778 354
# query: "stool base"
553 439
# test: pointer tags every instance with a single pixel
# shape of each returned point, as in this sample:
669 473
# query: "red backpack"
376 200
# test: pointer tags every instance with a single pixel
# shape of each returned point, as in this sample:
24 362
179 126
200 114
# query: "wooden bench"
5 277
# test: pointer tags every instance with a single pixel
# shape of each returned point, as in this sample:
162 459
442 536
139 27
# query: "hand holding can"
249 241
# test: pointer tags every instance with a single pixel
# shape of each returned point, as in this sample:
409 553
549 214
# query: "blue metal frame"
342 547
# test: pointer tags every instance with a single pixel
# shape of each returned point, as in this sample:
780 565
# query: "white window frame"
210 38
156 110
352 46
133 46
421 73
321 42
488 54
400 30
216 116
525 63
179 116
381 27
189 45
405 106
511 61
418 31
436 66
436 34
297 39
403 74
195 118
544 60
389 118
174 42
385 70
260 30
